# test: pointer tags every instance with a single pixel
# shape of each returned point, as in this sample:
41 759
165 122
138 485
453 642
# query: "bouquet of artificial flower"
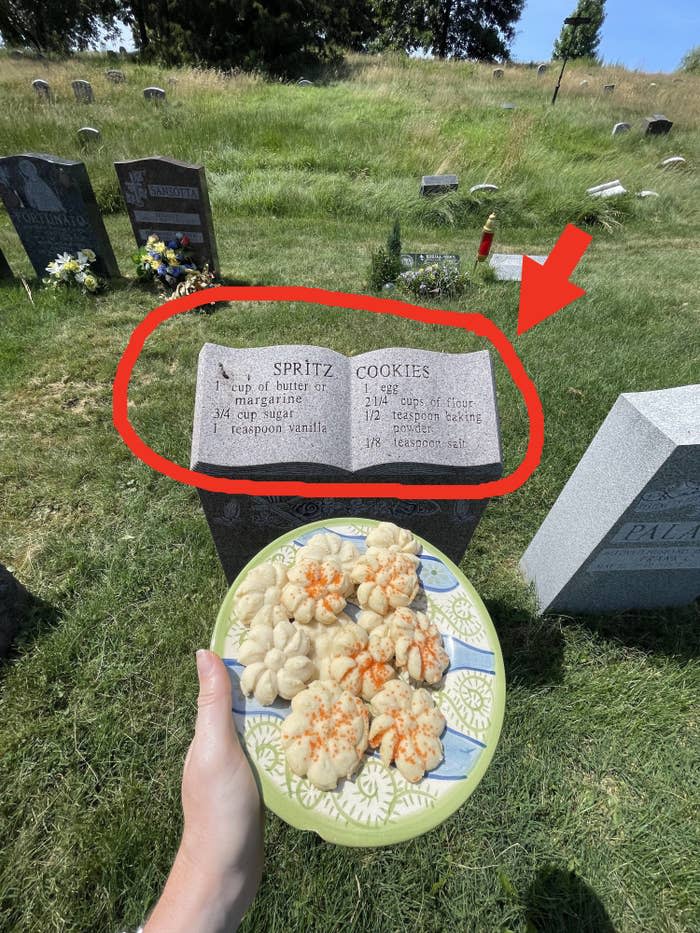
433 281
67 271
167 262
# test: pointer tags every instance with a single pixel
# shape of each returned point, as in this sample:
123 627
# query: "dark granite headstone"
42 89
5 271
438 184
52 205
166 197
156 94
88 134
656 125
83 91
608 88
419 260
115 76
13 600
308 413
625 530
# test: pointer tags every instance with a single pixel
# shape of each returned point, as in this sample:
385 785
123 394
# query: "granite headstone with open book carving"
52 205
625 530
304 413
166 197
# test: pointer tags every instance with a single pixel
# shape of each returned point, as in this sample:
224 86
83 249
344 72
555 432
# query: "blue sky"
645 34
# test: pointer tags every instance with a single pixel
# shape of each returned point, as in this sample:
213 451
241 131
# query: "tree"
690 62
480 29
586 38
56 27
282 36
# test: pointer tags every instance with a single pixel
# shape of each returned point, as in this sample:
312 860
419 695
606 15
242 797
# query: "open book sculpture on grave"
311 414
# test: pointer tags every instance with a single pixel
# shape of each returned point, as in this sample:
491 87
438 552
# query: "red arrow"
546 289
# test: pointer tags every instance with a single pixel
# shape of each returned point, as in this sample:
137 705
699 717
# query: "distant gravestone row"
84 93
53 208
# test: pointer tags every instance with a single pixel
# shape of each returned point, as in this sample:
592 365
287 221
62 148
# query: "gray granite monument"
52 205
656 125
166 197
625 530
309 414
438 184
508 267
83 91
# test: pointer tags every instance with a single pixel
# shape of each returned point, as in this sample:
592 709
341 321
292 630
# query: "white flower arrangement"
433 281
67 270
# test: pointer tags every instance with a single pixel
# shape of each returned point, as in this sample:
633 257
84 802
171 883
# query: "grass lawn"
587 817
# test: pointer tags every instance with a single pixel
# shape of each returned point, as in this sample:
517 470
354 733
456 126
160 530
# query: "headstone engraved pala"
438 184
52 205
625 530
83 91
305 413
166 197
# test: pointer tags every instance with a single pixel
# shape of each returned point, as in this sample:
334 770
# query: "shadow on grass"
533 648
670 632
560 902
23 617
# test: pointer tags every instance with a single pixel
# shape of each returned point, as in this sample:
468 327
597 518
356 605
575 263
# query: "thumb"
214 717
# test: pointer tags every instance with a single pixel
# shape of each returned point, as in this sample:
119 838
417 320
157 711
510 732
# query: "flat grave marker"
308 413
608 189
165 197
438 184
508 267
625 530
53 208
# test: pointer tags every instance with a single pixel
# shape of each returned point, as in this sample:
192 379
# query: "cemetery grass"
586 817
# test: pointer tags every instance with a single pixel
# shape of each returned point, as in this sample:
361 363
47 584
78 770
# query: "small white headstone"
485 187
154 93
608 190
672 162
88 134
508 267
621 128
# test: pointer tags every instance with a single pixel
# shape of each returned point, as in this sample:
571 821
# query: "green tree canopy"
450 28
56 27
582 41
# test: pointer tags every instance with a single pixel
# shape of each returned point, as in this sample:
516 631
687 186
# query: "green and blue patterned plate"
378 806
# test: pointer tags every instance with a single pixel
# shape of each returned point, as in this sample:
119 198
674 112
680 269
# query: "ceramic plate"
378 806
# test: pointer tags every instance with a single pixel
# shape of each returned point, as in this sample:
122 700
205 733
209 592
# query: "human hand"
218 866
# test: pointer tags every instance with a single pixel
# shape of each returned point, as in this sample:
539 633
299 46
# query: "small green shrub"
385 263
690 62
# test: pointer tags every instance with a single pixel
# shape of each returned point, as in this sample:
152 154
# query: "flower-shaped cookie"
390 536
325 735
407 729
358 663
316 589
327 546
369 619
387 579
321 636
418 644
258 598
277 662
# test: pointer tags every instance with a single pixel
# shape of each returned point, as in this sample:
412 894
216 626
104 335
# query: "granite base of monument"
625 530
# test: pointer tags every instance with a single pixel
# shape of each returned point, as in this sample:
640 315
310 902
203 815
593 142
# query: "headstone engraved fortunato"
42 89
625 530
5 271
420 260
165 197
657 125
309 414
52 205
438 184
154 93
508 267
83 91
